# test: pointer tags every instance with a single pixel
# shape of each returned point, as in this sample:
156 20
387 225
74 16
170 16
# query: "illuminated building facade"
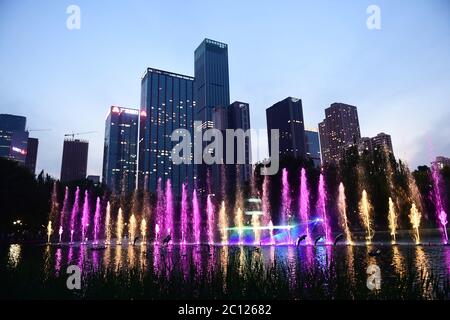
287 117
120 149
338 131
13 137
312 146
167 104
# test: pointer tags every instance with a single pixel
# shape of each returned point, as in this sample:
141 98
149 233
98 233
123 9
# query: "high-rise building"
381 141
120 150
287 117
13 137
167 104
313 146
74 160
338 131
235 117
32 150
212 91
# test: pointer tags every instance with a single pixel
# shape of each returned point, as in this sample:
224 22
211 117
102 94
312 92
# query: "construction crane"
34 130
78 133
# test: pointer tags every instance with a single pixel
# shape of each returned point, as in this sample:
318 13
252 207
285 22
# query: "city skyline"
400 89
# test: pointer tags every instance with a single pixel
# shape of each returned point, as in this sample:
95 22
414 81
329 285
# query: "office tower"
381 141
74 160
120 149
94 179
167 104
235 117
211 91
365 145
338 131
313 146
287 117
13 137
32 150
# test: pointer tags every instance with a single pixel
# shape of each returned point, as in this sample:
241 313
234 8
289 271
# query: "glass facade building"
167 104
287 117
120 150
212 91
13 137
313 146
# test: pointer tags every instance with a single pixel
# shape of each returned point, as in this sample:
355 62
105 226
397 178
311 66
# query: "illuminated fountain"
392 218
108 224
440 213
97 217
286 203
322 209
143 231
256 228
159 211
132 226
196 213
223 223
168 223
119 227
342 208
210 219
184 214
49 231
414 218
239 222
85 218
74 214
304 205
65 208
365 211
267 220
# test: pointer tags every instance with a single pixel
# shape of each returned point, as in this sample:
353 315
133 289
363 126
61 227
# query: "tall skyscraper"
74 160
212 90
313 146
32 150
287 117
13 137
338 131
120 150
167 104
235 116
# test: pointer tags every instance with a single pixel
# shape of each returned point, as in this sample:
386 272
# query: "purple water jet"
168 223
64 210
286 202
74 214
184 213
196 213
97 220
440 213
322 207
159 226
304 204
210 217
85 217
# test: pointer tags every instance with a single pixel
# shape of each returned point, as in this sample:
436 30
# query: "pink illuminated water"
168 223
322 207
440 213
184 213
210 217
286 202
74 214
97 217
85 217
64 210
304 204
159 210
196 213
